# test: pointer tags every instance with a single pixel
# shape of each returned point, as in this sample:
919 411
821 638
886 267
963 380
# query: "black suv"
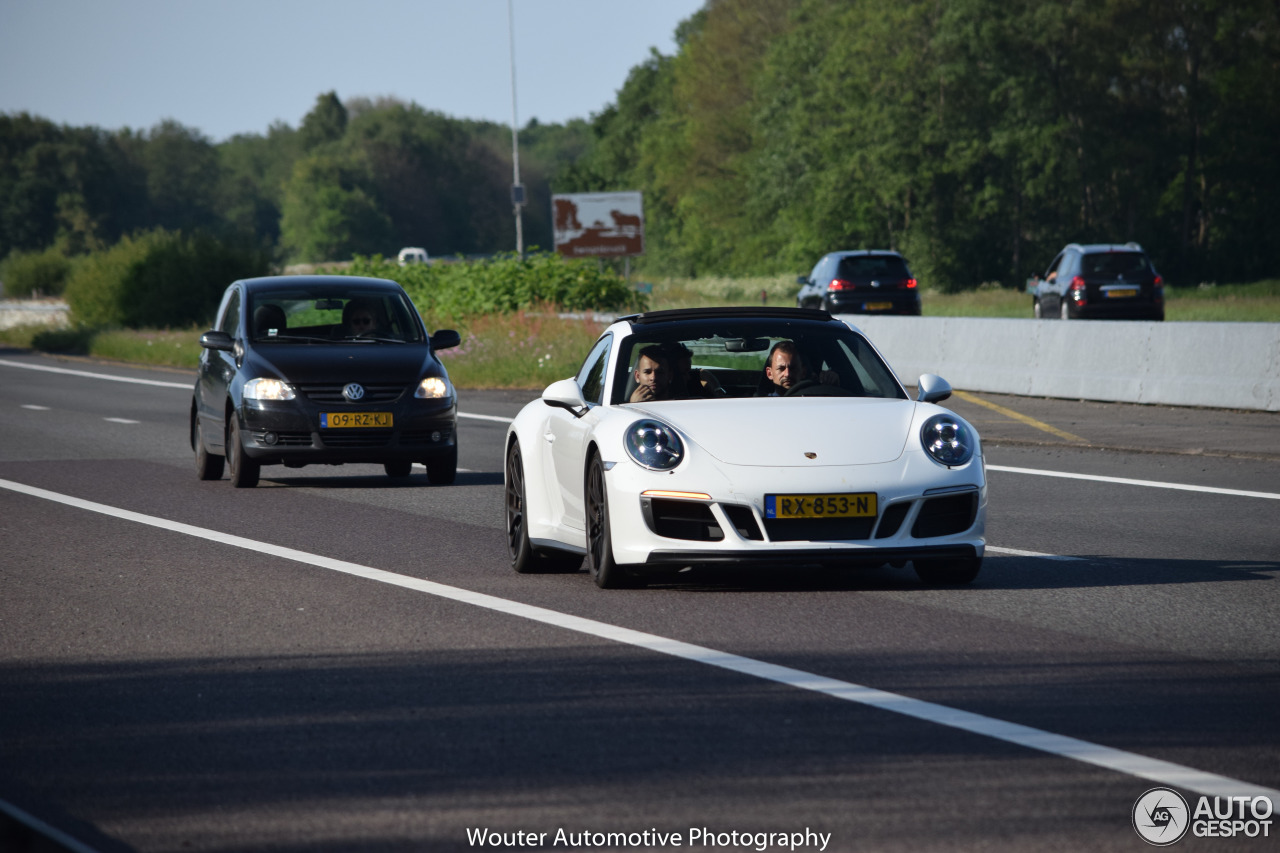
1099 281
863 282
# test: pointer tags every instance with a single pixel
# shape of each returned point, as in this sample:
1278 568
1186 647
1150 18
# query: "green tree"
182 172
327 122
329 213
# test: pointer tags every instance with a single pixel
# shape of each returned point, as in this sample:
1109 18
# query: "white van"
412 255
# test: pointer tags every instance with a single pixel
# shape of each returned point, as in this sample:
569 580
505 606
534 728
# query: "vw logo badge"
353 392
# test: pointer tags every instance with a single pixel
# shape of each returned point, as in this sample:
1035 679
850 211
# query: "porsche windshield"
326 314
720 359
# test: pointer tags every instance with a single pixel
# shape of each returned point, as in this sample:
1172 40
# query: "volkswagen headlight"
432 388
654 445
948 440
268 389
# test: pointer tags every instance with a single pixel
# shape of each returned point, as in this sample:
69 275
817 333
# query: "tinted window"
1114 263
591 376
230 322
873 267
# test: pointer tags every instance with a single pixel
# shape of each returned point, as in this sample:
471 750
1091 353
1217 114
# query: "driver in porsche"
784 368
786 373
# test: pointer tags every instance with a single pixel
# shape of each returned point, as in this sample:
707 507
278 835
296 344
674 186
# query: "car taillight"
1158 294
1077 290
907 283
840 284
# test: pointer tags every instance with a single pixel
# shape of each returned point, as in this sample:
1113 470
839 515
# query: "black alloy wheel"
443 470
605 571
244 471
400 468
208 465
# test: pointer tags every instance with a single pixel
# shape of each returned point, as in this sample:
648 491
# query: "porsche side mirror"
933 389
565 394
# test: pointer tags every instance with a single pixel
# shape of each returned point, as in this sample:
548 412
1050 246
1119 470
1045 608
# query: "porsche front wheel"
605 571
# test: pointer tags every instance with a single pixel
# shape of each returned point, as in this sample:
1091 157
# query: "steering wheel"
814 388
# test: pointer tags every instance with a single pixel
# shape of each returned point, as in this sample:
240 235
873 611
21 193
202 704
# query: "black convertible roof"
735 312
271 282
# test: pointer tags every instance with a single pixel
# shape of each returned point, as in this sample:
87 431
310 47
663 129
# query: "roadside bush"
33 274
505 283
159 279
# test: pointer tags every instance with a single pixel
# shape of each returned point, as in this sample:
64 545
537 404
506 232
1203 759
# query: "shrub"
33 274
159 279
505 283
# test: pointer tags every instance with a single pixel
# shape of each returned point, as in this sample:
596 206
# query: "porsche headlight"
654 445
432 388
268 389
948 440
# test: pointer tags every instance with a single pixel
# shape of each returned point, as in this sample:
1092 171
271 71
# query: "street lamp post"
517 190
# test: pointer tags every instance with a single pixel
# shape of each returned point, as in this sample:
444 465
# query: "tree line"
975 136
365 177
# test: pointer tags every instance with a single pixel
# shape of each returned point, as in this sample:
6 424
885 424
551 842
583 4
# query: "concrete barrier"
46 312
1218 365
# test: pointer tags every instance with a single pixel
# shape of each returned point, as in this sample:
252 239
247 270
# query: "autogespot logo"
1161 817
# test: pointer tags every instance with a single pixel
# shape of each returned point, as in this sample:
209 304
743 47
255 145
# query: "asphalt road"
335 661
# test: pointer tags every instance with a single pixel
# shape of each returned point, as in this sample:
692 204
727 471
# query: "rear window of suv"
868 267
1113 263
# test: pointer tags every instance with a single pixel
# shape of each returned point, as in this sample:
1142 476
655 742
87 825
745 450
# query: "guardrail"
1216 365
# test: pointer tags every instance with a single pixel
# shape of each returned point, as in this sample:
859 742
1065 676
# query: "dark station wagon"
304 370
1099 281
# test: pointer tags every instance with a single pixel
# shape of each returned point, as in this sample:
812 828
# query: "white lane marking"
186 386
493 418
33 407
1155 484
50 832
121 421
1014 552
1108 758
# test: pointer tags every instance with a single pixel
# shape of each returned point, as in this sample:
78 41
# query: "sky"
227 67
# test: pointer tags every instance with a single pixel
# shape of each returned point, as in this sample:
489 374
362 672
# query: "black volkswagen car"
861 282
305 370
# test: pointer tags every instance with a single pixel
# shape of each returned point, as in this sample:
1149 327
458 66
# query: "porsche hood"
787 432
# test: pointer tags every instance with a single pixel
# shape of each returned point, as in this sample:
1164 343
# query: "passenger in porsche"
652 375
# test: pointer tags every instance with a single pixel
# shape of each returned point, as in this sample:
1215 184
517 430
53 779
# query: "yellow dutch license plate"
879 306
336 420
859 505
1121 294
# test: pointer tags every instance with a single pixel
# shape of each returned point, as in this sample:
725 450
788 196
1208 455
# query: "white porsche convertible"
740 436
